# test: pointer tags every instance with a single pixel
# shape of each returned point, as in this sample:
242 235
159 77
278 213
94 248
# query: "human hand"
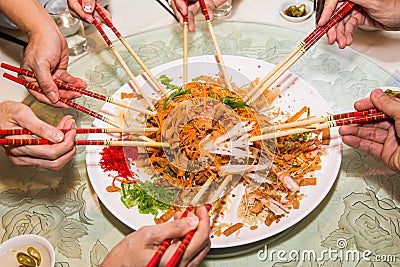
85 10
376 14
52 157
47 56
380 139
180 10
143 243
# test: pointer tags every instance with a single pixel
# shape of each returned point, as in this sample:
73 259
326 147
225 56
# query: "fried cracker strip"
232 229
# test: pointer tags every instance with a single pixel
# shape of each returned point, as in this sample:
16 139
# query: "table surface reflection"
360 213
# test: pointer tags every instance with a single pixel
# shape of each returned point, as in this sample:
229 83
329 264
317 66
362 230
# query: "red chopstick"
216 45
123 63
40 141
64 100
300 50
166 243
83 91
356 120
185 44
338 14
183 245
129 48
78 131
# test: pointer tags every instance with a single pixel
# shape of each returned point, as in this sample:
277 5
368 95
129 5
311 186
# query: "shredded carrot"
297 115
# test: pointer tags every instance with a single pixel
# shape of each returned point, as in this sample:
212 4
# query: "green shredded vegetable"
165 80
145 197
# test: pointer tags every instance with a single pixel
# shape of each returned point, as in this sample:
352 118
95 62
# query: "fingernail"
89 19
53 97
193 221
87 8
57 136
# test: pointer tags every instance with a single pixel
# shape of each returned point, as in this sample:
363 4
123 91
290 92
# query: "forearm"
28 15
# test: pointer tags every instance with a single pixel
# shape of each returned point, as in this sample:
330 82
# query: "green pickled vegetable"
34 253
25 260
296 11
392 93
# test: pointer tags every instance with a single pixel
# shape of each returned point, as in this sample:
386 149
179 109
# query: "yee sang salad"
209 126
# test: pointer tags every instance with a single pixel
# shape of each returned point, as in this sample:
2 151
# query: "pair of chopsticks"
4 132
63 100
186 240
214 40
181 248
279 130
167 242
131 52
299 51
314 124
39 141
65 86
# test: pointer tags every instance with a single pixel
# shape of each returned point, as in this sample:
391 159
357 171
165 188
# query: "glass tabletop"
359 214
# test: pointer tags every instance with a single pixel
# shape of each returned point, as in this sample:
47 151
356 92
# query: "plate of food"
207 139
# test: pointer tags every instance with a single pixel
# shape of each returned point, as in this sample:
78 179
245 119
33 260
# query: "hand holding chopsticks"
54 157
314 124
64 100
65 86
138 247
295 55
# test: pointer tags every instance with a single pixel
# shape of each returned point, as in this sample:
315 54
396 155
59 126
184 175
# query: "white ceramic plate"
296 93
287 4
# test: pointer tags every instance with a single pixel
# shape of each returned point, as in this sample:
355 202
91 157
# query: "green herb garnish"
195 79
297 136
169 171
178 93
232 102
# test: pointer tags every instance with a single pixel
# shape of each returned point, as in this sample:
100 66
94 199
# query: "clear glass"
71 28
73 31
223 10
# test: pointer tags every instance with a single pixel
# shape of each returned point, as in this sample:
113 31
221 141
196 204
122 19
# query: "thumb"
47 84
175 229
387 104
28 120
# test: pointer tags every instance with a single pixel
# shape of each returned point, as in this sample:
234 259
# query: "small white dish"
287 4
10 248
